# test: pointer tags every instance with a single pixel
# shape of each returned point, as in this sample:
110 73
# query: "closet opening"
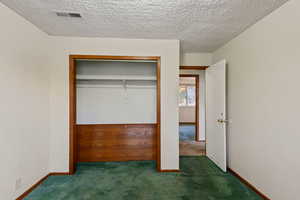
114 109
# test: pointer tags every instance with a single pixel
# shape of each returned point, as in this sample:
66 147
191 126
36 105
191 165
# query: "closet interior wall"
116 110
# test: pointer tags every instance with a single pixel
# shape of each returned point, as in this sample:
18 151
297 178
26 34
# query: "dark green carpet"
200 179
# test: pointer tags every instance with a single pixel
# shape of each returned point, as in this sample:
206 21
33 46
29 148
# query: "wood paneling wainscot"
116 142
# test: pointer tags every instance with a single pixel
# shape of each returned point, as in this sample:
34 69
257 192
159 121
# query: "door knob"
222 120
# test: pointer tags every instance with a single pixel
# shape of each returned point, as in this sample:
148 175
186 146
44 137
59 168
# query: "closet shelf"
115 86
105 77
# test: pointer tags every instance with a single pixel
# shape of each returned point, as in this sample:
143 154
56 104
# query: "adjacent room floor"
199 179
187 145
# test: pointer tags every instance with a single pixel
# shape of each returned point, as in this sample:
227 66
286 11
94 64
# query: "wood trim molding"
72 115
27 192
72 103
248 184
158 115
187 123
197 135
59 173
197 138
193 67
22 196
110 57
142 124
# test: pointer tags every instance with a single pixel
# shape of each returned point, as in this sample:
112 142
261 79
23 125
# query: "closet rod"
116 77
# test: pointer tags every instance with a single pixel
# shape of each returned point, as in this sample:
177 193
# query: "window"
187 95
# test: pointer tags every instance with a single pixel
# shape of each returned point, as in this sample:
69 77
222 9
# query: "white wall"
34 108
263 103
195 59
109 101
116 105
24 104
187 114
63 46
114 68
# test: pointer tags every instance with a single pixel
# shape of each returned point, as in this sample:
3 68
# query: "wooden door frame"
193 67
197 132
72 103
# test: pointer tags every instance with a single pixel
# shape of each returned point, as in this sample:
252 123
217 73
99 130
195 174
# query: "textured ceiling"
200 25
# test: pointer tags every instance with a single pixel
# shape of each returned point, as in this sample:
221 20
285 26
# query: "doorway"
190 143
96 136
213 109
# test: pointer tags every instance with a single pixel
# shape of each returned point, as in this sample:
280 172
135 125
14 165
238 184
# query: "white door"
216 114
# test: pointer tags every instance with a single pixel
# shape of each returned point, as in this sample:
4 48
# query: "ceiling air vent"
68 14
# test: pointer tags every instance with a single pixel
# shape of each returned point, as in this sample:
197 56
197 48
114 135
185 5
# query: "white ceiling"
201 25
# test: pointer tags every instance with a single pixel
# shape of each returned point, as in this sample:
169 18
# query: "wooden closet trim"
72 103
197 135
193 67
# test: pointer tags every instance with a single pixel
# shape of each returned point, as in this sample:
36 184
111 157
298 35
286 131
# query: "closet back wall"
116 110
108 102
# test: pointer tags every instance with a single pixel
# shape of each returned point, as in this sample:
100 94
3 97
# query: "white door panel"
216 114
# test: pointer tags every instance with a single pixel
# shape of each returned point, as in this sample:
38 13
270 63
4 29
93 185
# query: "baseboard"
169 170
22 196
59 173
200 140
187 123
248 184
